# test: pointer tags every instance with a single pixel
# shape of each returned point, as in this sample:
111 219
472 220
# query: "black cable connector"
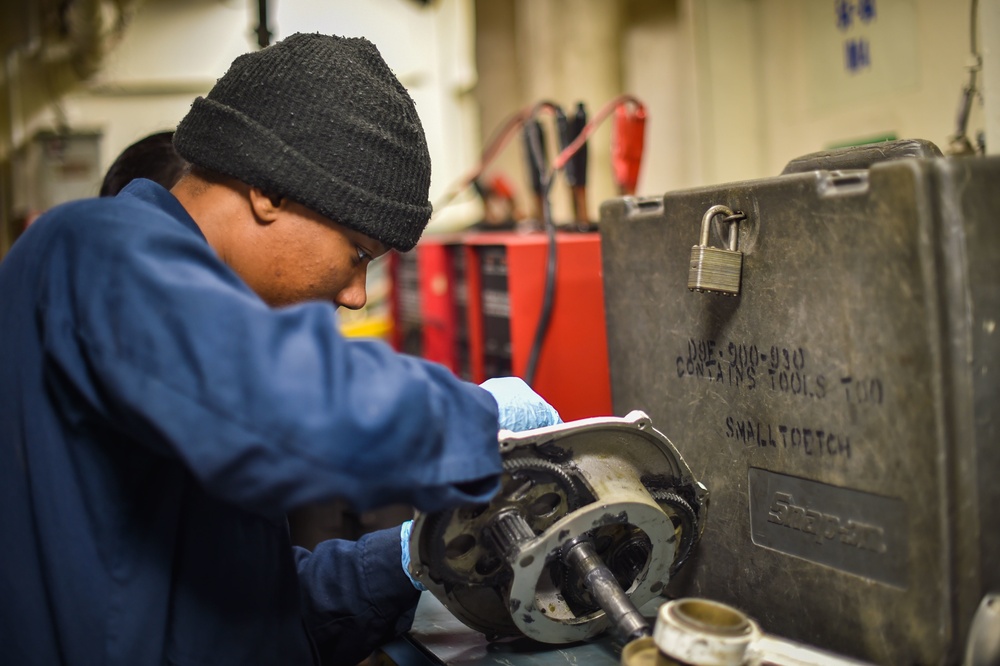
534 135
542 183
576 167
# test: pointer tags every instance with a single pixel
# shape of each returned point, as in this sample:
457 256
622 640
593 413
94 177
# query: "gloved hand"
404 541
520 407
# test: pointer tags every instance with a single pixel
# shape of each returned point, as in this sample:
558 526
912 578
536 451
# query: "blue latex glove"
520 407
404 542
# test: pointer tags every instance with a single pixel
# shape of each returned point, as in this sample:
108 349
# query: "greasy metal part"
643 652
685 520
615 483
566 481
508 531
600 582
707 633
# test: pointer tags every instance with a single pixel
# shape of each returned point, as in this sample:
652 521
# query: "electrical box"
841 408
443 302
404 303
54 168
506 279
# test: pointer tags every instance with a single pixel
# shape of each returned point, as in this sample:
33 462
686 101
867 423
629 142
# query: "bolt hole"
459 546
602 542
517 488
545 505
487 565
475 511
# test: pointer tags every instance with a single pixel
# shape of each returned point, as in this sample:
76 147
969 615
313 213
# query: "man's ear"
266 206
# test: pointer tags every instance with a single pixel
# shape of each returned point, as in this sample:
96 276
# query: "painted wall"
169 54
781 78
174 50
734 88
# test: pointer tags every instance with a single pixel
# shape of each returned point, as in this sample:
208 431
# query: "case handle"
862 157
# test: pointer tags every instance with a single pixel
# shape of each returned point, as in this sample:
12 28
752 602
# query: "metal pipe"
263 30
701 631
601 583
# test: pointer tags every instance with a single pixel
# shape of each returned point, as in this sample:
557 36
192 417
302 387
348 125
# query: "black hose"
551 261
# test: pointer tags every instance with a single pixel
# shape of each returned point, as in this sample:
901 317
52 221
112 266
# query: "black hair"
152 157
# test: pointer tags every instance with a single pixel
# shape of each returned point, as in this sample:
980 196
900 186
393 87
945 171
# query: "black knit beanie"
323 121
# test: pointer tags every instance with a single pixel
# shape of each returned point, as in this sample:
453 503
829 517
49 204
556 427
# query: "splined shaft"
508 530
601 583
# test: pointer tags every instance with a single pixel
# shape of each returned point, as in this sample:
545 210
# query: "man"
173 383
153 157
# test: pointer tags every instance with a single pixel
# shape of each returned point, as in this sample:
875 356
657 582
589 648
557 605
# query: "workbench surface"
438 638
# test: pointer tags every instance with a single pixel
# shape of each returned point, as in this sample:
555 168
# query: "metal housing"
615 481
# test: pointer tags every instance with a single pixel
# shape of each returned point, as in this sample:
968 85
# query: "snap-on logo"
825 527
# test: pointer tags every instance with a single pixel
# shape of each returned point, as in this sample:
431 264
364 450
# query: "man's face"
302 256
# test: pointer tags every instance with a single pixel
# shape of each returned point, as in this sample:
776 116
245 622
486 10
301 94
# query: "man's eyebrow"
378 250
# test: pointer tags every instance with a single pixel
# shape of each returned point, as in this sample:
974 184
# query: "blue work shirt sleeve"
355 595
268 408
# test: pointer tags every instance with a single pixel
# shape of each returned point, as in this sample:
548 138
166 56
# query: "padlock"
715 269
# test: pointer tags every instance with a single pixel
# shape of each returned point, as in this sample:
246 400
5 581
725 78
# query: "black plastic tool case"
842 409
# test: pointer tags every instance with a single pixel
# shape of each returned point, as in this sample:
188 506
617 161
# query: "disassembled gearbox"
592 520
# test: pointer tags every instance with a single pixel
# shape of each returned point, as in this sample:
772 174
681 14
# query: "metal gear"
685 519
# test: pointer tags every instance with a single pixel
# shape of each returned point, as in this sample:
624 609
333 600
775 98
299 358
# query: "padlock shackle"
734 235
706 222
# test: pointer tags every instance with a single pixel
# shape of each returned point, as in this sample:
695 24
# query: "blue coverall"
157 420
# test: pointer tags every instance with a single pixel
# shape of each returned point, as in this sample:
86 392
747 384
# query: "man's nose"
353 296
